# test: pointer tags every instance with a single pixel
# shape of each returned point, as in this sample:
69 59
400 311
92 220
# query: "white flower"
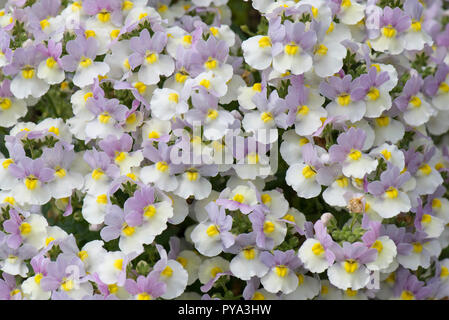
348 274
312 254
210 267
175 277
246 264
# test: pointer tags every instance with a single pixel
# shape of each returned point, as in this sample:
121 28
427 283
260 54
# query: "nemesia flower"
149 151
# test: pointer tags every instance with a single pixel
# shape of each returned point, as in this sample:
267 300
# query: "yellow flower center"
38 277
67 284
264 42
302 110
28 73
308 172
104 16
407 295
114 33
118 264
266 116
212 114
351 266
153 135
104 117
162 166
346 3
113 288
266 198
355 154
128 230
89 33
344 99
151 58
181 78
60 172
25 228
317 249
389 31
444 87
291 49
425 169
126 5
373 94
182 261
210 63
386 154
331 28
321 50
417 247
281 271
258 296
102 199
436 203
143 296
239 198
97 174
378 246
249 253
257 87
391 193
5 103
212 230
85 62
44 24
415 101
416 26
31 182
149 211
214 271
83 255
268 227
444 272
426 218
205 83
192 175
350 293
167 272
383 121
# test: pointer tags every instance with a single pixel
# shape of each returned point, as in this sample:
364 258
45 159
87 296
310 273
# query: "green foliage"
390 3
352 66
19 34
421 64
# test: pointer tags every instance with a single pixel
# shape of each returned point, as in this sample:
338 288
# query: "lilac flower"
414 107
347 97
408 287
389 35
34 176
80 59
270 231
316 252
270 114
212 236
349 270
13 260
23 67
281 276
347 151
8 288
147 54
67 275
146 288
295 52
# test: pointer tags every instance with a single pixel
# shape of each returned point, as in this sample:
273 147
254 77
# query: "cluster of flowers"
100 99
